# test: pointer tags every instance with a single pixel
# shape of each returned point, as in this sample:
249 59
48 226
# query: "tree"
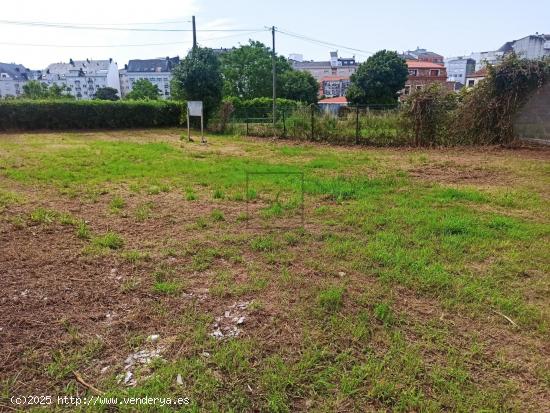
378 80
247 71
143 89
300 86
106 93
37 90
198 77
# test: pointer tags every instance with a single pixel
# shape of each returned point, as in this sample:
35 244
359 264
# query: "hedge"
95 114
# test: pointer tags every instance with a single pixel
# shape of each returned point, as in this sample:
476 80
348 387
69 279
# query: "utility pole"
273 58
194 33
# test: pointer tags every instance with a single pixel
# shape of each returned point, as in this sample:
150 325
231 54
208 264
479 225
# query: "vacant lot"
419 280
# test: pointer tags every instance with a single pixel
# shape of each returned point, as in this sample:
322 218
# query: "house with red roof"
422 74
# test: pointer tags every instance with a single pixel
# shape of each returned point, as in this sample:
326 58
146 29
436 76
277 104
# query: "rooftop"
419 64
153 65
333 101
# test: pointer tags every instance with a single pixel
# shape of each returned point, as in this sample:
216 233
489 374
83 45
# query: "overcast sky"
448 27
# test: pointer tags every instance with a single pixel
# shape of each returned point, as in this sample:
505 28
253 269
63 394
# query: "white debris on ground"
140 358
229 325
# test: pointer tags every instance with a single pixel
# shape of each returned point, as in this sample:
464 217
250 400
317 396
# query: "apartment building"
83 77
12 78
336 66
157 71
459 68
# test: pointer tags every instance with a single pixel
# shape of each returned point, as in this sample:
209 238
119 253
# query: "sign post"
195 108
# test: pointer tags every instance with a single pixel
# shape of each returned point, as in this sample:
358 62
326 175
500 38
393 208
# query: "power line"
125 45
321 42
110 28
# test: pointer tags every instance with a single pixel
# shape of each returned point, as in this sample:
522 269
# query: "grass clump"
109 240
117 204
82 230
217 215
44 216
383 312
167 287
143 211
331 299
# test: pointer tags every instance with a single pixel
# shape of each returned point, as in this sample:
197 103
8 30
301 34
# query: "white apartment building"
83 77
336 66
157 71
12 78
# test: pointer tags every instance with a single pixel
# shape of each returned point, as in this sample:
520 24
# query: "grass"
109 240
389 299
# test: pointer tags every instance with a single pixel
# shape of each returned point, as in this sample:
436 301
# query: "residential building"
12 78
421 74
83 77
334 86
476 77
422 55
458 69
336 66
482 59
535 46
333 105
157 71
124 82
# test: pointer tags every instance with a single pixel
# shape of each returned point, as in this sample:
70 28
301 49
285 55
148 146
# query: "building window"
434 72
407 90
471 82
413 72
418 87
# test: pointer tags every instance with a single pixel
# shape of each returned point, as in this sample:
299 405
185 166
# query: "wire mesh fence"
372 124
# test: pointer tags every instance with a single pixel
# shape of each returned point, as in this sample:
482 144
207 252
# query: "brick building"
421 74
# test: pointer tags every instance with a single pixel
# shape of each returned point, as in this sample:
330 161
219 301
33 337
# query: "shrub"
487 111
71 114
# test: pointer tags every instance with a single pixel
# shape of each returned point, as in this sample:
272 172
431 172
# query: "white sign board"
194 108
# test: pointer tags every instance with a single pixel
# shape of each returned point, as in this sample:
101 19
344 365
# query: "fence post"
357 125
312 122
284 124
246 119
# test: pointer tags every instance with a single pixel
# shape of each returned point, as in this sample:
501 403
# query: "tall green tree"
297 85
143 89
38 90
106 93
198 77
247 71
378 80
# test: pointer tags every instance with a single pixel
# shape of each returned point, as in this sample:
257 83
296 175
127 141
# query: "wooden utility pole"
194 33
273 58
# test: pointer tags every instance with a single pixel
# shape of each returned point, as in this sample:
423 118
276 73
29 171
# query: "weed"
217 215
167 287
117 204
43 216
82 230
218 194
109 240
383 312
331 299
143 211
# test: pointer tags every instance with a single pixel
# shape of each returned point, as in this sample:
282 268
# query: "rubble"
142 357
229 325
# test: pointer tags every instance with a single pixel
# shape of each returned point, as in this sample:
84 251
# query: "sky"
450 28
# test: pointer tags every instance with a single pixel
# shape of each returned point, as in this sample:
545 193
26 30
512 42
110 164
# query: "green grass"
109 240
387 300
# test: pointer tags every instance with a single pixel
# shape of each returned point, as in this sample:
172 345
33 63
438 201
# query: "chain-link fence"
373 124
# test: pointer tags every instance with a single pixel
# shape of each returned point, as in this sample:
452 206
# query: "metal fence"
372 124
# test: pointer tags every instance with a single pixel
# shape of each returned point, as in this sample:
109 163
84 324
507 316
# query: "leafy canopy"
247 71
198 77
143 89
38 90
378 80
300 86
106 93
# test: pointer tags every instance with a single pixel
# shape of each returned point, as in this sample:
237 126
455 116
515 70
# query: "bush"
67 114
428 114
